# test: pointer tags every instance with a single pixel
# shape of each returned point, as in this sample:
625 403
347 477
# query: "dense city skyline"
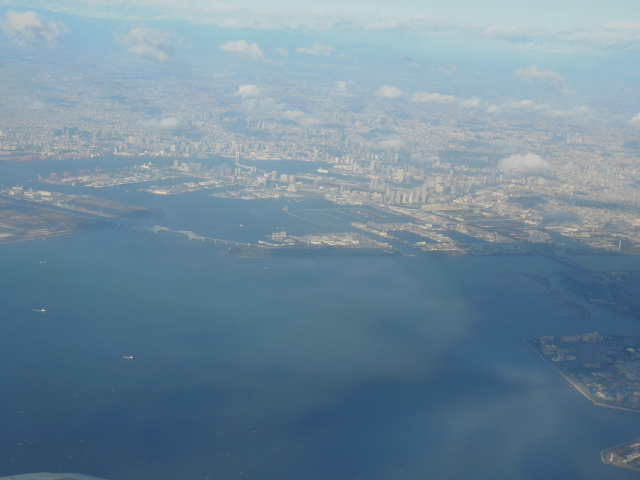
535 114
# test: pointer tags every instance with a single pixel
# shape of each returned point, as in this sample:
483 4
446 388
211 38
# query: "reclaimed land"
21 222
626 455
605 368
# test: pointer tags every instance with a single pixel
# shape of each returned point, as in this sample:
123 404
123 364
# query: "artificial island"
606 370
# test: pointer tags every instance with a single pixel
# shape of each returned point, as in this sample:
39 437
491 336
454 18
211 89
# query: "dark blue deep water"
312 368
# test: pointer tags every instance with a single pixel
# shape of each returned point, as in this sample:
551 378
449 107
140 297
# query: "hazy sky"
541 13
545 26
546 45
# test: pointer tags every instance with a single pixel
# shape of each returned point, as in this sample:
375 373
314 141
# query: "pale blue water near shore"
286 368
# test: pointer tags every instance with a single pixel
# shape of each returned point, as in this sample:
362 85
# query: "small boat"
39 310
128 357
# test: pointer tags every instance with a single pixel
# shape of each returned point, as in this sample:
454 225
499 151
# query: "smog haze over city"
336 240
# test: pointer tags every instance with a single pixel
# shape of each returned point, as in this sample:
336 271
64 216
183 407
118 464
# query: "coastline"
575 383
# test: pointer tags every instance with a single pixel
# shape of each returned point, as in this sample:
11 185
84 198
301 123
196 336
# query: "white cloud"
577 113
473 102
167 123
29 28
425 97
387 91
342 86
570 41
293 115
635 121
392 144
345 88
548 77
245 49
514 34
254 102
529 163
521 105
581 111
152 43
614 26
282 111
317 49
247 91
449 69
283 52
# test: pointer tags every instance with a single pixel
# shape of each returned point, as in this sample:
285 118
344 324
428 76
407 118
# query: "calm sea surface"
285 368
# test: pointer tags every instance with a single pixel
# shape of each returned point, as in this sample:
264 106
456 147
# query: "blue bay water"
286 368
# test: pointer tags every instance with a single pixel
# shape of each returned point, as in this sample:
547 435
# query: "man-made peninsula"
604 368
626 455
